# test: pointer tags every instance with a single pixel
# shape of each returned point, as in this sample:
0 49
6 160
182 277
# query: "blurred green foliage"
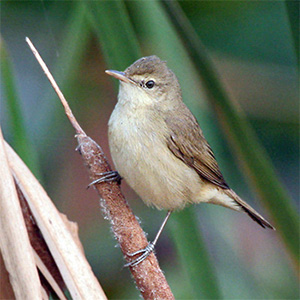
252 47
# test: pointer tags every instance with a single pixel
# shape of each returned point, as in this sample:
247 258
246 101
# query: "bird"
158 147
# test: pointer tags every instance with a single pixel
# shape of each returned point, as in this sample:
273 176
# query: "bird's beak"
119 75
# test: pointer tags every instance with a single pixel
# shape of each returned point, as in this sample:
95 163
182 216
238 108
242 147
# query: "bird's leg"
107 177
149 248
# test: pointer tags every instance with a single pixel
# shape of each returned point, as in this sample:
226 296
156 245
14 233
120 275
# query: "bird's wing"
186 141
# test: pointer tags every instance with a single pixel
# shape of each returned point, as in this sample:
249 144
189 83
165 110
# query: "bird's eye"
150 84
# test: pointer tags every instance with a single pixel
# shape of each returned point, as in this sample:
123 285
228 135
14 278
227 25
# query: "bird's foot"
107 177
144 254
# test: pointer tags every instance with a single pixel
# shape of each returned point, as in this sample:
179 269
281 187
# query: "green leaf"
194 255
112 26
71 51
20 140
293 8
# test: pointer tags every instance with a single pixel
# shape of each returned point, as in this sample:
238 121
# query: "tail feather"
253 214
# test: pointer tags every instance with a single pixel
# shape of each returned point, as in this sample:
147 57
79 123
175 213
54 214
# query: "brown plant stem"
148 276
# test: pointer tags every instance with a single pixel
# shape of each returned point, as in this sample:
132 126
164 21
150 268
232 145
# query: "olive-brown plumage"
158 146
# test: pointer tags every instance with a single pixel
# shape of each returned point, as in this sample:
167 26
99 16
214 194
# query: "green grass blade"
194 255
73 47
71 50
114 31
254 158
17 125
292 8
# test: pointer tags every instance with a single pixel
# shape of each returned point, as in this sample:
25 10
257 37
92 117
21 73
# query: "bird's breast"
137 141
133 138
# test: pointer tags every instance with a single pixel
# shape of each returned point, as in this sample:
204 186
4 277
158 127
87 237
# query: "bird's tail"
253 214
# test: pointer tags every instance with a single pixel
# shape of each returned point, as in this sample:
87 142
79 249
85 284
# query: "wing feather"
187 142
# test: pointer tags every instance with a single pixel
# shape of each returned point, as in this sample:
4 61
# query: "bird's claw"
145 253
107 177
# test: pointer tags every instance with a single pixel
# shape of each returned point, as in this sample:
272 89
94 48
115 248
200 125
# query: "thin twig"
149 278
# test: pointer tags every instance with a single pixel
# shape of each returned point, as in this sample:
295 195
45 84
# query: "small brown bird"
158 147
